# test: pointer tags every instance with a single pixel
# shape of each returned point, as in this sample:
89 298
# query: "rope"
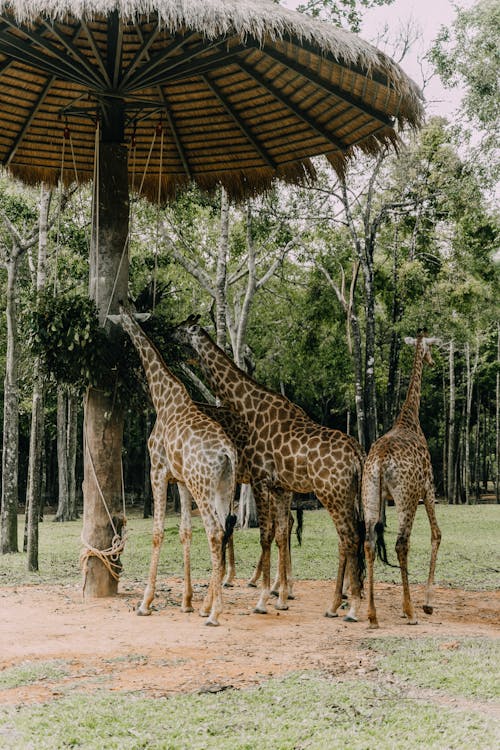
161 132
110 556
94 240
61 185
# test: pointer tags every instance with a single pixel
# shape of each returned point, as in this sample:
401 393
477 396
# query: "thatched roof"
244 91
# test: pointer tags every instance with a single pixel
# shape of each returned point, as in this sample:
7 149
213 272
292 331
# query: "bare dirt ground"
104 644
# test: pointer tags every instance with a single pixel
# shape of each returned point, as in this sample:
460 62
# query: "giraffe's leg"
256 574
429 503
339 584
402 549
159 481
266 527
185 535
353 570
370 560
288 563
282 502
212 606
231 565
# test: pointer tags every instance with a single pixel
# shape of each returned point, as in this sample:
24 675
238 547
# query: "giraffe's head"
426 343
188 332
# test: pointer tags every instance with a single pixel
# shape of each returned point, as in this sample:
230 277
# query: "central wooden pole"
103 422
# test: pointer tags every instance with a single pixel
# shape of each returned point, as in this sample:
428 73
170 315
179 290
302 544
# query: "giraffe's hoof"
291 596
413 622
212 622
142 611
350 618
187 609
228 584
282 607
260 611
428 609
251 585
274 593
373 625
329 613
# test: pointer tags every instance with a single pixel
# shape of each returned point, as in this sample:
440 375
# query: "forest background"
311 290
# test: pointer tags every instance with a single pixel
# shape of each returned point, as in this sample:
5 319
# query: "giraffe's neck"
225 377
408 416
160 380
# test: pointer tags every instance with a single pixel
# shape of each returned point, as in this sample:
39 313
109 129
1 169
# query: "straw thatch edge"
259 19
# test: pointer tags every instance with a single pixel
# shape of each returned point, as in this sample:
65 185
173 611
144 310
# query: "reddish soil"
104 644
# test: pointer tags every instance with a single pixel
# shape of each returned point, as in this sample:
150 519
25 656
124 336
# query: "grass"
468 557
29 672
304 710
468 667
309 711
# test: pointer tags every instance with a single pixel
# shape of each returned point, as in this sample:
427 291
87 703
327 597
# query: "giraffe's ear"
411 342
141 317
114 318
193 320
432 340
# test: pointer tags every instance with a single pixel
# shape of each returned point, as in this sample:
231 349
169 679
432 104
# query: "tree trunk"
34 487
221 272
396 313
72 444
497 421
62 512
103 416
451 427
370 385
37 435
10 452
247 509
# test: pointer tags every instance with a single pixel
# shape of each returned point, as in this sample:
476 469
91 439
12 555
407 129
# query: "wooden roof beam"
141 80
28 121
33 37
12 46
97 54
171 123
263 153
286 101
330 88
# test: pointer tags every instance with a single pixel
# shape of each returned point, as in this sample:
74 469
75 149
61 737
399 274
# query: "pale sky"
427 16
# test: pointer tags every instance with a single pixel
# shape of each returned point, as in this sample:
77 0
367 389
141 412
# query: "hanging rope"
66 135
94 239
159 131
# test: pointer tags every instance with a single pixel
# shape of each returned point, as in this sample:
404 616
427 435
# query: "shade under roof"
238 93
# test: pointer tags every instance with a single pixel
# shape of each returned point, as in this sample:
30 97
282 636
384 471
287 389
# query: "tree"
34 487
13 246
467 54
340 12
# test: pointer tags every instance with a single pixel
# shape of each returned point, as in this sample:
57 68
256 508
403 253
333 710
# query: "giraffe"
189 448
278 508
287 451
399 464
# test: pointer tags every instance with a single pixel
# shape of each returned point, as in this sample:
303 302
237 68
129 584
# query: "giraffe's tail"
228 531
300 524
359 520
224 499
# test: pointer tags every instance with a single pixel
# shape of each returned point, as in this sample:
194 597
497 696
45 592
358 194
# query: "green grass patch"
29 672
468 667
468 557
305 710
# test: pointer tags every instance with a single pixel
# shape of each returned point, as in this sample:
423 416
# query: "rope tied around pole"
110 556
